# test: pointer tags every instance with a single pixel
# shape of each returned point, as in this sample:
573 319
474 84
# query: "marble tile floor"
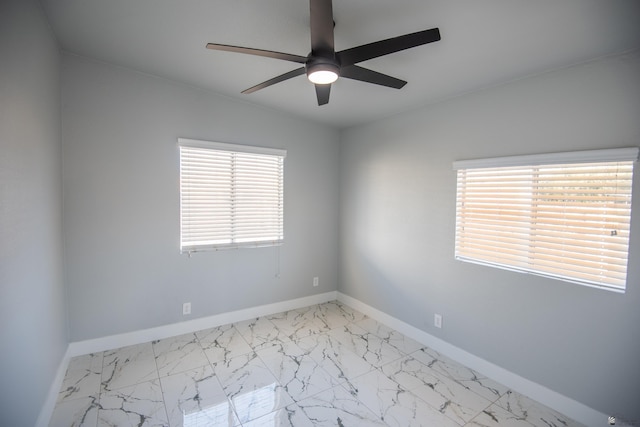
323 365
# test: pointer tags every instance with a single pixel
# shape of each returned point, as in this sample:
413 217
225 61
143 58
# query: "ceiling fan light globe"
322 72
322 77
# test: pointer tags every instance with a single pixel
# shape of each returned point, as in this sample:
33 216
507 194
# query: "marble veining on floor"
323 365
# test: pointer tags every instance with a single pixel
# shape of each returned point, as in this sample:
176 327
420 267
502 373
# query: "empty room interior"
375 274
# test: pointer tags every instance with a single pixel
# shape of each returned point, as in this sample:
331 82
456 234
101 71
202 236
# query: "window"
565 216
231 195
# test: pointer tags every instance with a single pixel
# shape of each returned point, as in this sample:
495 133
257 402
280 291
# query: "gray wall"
33 330
397 231
397 202
121 203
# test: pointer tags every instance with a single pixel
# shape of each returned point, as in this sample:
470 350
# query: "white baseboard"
138 337
569 407
166 331
52 397
550 398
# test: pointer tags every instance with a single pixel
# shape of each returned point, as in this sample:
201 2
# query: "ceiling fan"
324 65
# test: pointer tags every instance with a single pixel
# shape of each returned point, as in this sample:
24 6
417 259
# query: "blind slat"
567 221
230 198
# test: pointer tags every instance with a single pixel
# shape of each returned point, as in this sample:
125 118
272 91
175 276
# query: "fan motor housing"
321 63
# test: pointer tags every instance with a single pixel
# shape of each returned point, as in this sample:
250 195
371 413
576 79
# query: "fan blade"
322 92
384 47
321 26
258 52
286 76
355 72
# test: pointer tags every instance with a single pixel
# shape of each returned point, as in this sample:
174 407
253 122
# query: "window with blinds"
566 216
231 196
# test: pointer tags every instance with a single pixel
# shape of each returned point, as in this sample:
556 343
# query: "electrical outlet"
186 308
437 320
316 281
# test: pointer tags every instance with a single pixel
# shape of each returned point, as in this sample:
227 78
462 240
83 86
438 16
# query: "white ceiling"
484 43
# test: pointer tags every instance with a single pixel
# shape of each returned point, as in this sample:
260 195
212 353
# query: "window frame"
246 168
553 161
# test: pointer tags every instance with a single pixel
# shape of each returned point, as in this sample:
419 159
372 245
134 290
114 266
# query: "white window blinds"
565 216
230 195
